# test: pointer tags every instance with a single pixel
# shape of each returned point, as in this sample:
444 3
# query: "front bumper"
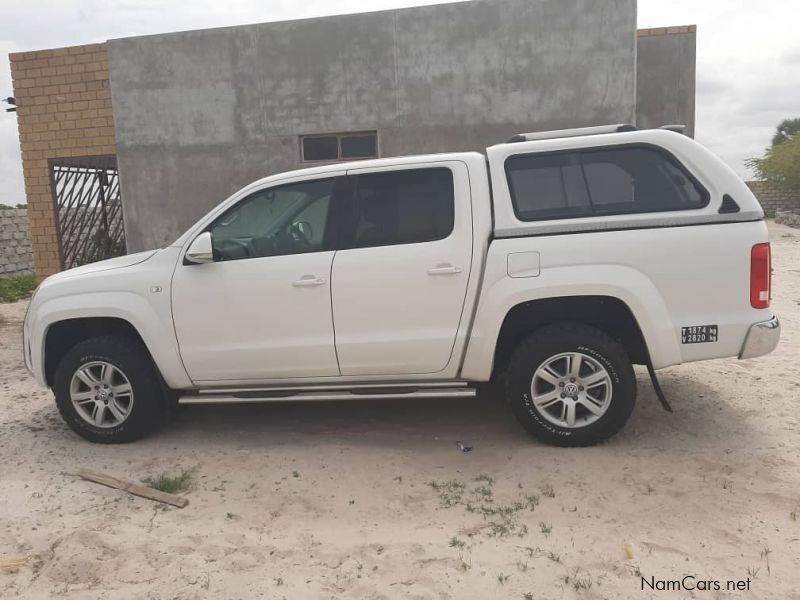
762 338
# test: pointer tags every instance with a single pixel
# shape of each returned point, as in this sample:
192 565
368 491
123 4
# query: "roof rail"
562 133
579 131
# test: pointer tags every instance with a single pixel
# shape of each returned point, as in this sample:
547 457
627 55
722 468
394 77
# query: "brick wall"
64 110
773 200
15 243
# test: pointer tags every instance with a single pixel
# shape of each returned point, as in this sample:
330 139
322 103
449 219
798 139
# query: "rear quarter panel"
673 269
670 277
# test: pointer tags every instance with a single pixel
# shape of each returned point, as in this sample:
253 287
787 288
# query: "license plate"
699 334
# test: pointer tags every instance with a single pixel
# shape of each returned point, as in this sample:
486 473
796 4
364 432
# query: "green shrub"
170 483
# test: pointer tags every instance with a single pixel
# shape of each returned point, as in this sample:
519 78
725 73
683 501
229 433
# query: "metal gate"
88 209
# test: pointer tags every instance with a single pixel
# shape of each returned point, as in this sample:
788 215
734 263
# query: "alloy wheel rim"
571 390
101 394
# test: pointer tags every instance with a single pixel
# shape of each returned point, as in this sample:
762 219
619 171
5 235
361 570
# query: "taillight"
760 276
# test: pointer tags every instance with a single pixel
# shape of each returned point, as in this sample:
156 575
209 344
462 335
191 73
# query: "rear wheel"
571 385
107 390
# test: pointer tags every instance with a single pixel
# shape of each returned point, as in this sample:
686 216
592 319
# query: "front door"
400 280
262 309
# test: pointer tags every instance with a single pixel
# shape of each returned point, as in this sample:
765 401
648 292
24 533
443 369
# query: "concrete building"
190 117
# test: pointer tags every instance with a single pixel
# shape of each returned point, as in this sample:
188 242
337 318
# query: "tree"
786 131
780 165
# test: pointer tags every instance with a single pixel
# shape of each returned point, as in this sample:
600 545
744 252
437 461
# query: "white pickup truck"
551 264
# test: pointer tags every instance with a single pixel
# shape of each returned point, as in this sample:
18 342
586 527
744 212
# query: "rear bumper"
762 338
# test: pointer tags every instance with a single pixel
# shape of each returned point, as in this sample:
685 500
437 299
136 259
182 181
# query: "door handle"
444 269
308 281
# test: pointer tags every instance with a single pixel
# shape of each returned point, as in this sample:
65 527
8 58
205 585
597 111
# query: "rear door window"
403 207
607 181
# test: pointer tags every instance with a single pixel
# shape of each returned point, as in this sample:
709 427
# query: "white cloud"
12 189
748 71
791 57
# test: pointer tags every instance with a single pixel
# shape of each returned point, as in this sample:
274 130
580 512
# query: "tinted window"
603 182
548 186
638 180
342 146
359 146
290 219
403 207
320 148
610 184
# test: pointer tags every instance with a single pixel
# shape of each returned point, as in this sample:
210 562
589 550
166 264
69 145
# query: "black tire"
551 341
147 412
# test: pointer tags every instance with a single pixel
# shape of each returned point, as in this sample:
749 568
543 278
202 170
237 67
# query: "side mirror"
305 228
200 250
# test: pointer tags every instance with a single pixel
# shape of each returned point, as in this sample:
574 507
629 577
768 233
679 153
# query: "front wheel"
107 390
570 384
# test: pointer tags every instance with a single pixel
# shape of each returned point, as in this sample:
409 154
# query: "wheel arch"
64 321
568 285
63 335
607 313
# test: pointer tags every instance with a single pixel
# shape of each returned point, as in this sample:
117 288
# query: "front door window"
289 219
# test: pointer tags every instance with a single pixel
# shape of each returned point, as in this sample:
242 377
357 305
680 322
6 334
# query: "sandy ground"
335 500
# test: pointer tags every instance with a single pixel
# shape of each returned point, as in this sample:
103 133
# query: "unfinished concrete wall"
200 114
665 77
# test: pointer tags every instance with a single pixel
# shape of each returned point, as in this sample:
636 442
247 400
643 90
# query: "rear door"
399 282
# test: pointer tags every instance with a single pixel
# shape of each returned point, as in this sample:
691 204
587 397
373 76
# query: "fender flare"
158 335
628 285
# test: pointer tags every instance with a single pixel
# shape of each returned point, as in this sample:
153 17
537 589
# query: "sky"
748 54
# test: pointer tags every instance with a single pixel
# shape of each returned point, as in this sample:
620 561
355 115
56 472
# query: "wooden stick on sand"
133 488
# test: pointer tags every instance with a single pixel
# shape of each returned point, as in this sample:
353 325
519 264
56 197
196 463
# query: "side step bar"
361 392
